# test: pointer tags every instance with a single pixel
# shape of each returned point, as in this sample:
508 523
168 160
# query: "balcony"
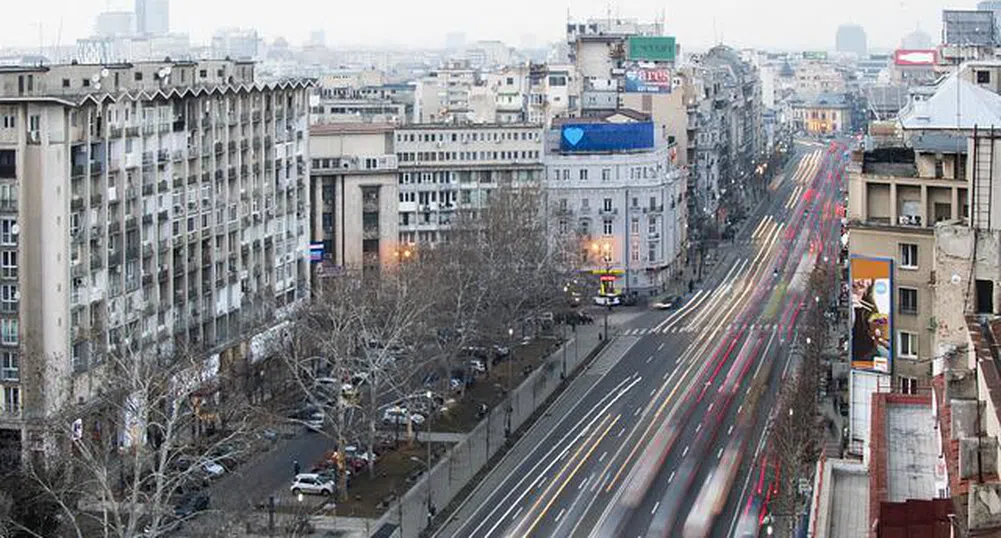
96 199
608 212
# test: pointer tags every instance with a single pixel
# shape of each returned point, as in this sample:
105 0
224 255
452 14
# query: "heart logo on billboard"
573 135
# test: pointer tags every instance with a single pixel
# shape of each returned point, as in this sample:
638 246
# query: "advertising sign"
591 137
648 81
652 49
814 55
316 252
907 57
872 313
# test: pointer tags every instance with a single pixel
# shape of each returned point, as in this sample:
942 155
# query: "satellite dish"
104 72
15 229
96 78
166 71
955 279
97 86
162 73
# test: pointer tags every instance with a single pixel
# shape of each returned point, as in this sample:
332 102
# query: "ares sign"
651 49
648 81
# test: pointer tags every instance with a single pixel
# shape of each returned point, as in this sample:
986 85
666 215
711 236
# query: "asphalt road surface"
654 439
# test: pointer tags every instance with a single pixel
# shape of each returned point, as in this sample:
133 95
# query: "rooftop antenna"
715 34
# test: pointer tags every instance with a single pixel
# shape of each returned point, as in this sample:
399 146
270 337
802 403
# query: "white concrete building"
443 168
159 203
629 204
354 186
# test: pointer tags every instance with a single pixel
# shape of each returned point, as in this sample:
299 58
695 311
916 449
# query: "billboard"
905 57
814 55
592 137
872 313
648 81
651 49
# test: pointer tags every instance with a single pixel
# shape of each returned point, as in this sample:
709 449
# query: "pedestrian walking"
295 468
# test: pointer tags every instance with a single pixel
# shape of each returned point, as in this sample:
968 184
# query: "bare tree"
356 351
117 467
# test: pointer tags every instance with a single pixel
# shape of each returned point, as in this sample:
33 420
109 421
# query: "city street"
661 412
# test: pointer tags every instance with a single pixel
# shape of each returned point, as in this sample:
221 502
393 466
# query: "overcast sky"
756 23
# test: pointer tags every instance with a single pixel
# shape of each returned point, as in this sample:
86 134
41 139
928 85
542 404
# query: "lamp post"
510 376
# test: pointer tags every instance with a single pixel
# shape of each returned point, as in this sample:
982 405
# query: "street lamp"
510 378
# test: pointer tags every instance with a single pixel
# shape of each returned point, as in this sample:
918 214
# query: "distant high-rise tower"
455 41
851 38
152 17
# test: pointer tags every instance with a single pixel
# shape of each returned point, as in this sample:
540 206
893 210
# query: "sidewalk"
458 469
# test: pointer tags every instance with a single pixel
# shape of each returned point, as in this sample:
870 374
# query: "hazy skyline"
764 23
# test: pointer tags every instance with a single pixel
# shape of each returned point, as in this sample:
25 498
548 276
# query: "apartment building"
626 204
385 103
353 180
897 194
163 204
443 168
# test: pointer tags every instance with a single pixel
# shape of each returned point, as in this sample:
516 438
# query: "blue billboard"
593 137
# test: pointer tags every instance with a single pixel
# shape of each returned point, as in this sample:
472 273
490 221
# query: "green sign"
814 55
651 49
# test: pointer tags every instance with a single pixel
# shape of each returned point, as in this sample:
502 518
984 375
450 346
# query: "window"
139 76
566 173
66 83
908 256
653 203
606 174
8 264
607 229
11 399
8 332
908 385
653 226
9 366
908 300
585 203
7 229
908 343
8 298
563 204
583 174
607 204
653 251
635 226
564 227
983 77
634 252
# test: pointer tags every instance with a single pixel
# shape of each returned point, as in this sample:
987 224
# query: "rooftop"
838 511
350 128
956 104
911 454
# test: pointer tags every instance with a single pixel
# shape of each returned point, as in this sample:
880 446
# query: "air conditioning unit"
34 136
905 219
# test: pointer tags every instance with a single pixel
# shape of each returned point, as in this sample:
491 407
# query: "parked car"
315 421
398 415
477 367
190 505
313 484
213 469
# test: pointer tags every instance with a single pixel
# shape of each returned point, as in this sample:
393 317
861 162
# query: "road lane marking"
661 346
602 458
599 409
656 505
728 432
720 453
684 452
650 358
518 513
671 478
597 441
638 409
560 515
622 431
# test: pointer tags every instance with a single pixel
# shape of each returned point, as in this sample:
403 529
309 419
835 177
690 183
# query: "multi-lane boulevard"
664 433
